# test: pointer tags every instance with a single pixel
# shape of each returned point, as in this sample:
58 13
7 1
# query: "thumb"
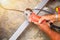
44 26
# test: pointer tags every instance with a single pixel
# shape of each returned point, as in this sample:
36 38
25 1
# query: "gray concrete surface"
11 20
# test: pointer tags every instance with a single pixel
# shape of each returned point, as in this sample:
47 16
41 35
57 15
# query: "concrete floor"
11 20
33 33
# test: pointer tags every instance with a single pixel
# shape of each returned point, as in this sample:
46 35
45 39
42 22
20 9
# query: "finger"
41 19
44 24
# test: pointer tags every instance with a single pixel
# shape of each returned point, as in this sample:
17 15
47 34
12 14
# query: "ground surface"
11 20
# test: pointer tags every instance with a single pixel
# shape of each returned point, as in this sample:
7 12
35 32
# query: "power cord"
23 11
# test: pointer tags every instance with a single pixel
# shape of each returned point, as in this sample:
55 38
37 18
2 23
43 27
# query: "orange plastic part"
59 10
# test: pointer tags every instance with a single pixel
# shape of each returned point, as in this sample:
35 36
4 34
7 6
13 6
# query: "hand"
35 18
52 34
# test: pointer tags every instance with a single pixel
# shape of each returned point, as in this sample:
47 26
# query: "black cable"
23 11
10 9
42 10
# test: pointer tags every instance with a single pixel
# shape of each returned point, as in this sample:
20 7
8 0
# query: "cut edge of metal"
26 23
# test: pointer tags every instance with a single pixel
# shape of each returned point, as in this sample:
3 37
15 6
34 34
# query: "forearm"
52 34
52 17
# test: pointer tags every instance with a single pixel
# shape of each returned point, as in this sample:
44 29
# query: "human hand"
35 19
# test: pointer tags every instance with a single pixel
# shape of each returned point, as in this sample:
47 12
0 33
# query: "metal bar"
40 5
19 30
26 23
